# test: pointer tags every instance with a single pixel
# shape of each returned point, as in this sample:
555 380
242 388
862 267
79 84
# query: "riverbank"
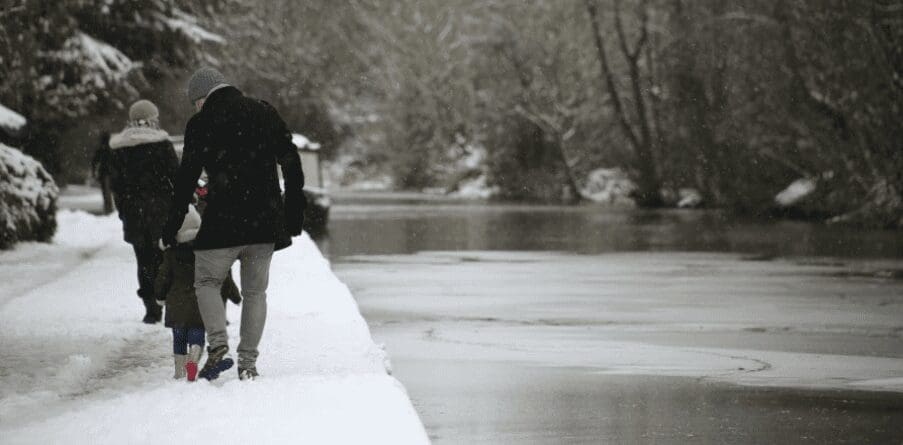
79 367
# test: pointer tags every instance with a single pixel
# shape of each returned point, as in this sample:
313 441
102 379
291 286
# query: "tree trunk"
648 184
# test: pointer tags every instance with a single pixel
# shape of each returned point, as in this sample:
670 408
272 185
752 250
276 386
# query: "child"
175 286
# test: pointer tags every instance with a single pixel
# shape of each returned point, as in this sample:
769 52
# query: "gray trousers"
210 269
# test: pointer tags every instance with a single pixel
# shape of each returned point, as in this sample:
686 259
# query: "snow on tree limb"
187 24
11 120
101 61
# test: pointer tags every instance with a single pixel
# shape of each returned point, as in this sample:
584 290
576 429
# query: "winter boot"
247 373
179 361
217 362
194 356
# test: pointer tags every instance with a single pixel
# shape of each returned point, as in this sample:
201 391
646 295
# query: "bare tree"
637 127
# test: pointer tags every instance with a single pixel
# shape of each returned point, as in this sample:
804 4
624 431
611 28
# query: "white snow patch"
11 120
688 198
476 188
83 230
101 61
188 24
795 192
302 141
474 158
380 183
609 185
32 264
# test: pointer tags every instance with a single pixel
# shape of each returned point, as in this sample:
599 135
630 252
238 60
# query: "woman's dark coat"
141 178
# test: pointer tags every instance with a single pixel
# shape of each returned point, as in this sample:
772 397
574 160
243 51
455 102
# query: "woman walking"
142 167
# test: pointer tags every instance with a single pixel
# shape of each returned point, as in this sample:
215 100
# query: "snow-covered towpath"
77 366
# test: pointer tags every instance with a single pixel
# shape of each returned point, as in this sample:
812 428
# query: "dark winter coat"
175 284
142 165
239 141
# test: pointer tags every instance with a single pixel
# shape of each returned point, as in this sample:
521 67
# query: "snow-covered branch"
11 120
188 25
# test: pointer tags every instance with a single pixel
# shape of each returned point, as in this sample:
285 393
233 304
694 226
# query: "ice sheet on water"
774 323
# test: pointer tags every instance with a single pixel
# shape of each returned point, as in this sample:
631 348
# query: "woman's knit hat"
144 113
190 226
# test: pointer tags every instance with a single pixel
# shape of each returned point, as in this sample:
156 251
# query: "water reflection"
491 404
407 228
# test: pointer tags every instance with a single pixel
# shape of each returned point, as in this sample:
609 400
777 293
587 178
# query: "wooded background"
736 99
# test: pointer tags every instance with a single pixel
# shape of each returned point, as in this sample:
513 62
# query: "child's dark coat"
175 284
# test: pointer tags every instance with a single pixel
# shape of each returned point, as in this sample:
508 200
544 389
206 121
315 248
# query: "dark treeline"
72 68
736 99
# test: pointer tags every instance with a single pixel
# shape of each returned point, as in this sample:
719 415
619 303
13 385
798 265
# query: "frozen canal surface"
513 324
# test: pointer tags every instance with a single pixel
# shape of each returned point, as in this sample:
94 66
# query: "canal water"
378 225
547 324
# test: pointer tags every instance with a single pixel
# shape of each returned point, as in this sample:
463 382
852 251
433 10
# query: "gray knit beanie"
144 112
202 82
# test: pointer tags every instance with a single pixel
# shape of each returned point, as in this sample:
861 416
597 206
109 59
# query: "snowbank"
79 367
27 199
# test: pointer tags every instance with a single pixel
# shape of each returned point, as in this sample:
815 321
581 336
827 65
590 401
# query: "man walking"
239 141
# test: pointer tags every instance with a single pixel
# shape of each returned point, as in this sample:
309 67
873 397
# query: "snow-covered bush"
689 198
830 197
609 185
28 198
474 188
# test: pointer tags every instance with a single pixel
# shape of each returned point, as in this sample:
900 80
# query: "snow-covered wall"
28 197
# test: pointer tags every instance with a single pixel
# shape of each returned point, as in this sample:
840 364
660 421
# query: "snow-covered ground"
77 366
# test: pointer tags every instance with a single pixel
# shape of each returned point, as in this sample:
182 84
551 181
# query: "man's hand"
170 229
162 245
